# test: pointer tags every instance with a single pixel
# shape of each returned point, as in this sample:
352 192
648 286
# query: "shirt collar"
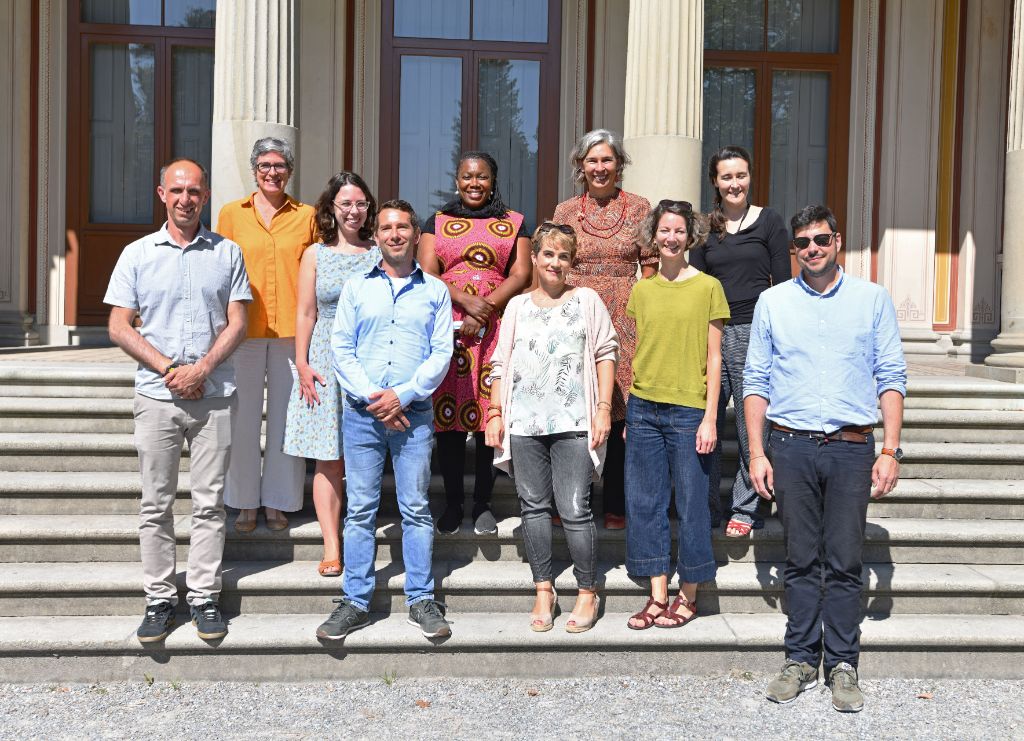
290 204
164 237
799 280
378 269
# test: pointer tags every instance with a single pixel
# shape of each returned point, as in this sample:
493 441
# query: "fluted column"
254 85
664 98
1009 345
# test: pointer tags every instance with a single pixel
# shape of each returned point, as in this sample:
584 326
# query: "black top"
747 262
429 227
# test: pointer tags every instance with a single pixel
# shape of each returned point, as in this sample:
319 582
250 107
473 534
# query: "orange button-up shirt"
272 258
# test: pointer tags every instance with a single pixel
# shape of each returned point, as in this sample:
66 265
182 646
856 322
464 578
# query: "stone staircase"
944 563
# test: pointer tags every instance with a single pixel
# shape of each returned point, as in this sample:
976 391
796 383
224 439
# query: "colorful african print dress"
474 256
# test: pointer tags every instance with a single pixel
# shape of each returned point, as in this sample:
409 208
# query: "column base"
664 167
1006 363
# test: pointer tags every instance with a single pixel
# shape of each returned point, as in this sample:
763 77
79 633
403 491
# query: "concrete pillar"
664 99
1009 345
254 86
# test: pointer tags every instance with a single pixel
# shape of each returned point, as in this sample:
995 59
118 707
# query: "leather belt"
848 434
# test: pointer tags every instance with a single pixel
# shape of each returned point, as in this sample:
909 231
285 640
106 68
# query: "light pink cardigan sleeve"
602 344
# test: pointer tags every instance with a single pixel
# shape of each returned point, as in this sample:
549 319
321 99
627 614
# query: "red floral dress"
474 256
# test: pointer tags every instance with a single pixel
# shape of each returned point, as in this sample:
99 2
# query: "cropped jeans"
661 454
367 444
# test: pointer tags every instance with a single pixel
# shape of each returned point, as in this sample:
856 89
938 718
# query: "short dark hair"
399 205
205 173
812 215
326 224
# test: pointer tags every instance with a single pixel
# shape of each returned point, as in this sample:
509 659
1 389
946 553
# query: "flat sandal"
647 618
672 613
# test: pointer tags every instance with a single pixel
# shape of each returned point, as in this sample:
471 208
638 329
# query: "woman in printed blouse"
478 247
607 222
550 416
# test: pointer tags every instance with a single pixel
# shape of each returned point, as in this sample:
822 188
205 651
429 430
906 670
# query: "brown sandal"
330 568
678 621
646 617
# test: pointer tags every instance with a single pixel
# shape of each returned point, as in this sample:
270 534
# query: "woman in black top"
748 251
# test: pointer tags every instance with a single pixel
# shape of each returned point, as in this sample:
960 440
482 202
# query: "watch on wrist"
896 453
169 368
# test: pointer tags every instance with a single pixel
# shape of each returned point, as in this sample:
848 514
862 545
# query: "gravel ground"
642 707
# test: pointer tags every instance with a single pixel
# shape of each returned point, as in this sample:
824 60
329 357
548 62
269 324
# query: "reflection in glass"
510 20
192 107
121 134
734 25
799 140
728 116
430 137
432 19
190 13
132 12
508 127
803 25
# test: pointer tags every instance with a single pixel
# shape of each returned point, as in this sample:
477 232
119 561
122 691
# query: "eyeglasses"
822 240
682 205
350 205
266 167
549 226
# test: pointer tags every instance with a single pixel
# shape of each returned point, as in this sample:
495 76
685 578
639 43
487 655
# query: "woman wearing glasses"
479 248
748 251
671 418
607 221
345 215
273 230
550 415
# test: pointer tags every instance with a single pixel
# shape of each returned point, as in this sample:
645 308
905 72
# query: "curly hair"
326 224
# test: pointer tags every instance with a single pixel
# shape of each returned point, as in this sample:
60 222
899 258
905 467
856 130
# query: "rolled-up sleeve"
351 376
890 365
240 289
757 372
432 370
121 291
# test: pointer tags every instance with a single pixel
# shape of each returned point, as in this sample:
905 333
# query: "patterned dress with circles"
474 256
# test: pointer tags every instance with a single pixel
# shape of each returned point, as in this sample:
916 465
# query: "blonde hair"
562 235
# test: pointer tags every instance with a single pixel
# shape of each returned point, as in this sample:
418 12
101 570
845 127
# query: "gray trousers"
556 469
161 429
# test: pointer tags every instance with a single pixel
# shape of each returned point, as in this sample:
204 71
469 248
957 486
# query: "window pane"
799 140
431 131
432 19
132 12
192 106
734 24
728 116
510 20
803 25
121 134
509 126
190 13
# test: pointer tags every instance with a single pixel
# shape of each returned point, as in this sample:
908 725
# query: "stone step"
962 392
80 538
284 647
250 587
85 380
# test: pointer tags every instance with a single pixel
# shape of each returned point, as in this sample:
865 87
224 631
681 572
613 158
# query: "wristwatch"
896 453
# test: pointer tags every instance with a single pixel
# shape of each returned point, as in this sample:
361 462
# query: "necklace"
742 219
601 229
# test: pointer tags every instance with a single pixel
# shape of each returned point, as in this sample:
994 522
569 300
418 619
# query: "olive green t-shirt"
671 361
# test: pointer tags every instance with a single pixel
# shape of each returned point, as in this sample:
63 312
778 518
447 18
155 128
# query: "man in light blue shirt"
392 342
824 352
189 287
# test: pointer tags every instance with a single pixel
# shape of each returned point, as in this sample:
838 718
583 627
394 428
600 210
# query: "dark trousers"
451 457
614 474
822 489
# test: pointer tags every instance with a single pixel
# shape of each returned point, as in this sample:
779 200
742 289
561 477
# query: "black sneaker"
210 624
157 622
450 522
345 618
428 616
484 522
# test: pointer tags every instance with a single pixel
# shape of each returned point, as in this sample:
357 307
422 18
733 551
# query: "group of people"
604 345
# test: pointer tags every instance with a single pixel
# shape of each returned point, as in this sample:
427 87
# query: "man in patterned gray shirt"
189 286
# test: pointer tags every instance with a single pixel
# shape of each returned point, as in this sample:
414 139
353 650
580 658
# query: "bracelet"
494 406
607 405
493 414
169 368
758 456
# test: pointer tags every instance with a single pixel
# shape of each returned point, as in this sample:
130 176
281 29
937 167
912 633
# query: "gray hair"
590 140
270 144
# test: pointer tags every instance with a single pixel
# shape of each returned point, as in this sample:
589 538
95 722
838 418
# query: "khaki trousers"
161 428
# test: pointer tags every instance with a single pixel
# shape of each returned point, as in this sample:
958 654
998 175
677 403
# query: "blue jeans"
661 453
367 444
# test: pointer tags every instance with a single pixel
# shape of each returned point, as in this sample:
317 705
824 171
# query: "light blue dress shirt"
182 295
392 335
822 359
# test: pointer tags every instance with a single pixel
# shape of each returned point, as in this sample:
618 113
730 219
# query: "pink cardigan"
602 344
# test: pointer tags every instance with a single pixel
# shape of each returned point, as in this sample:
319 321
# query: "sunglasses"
550 226
682 205
822 240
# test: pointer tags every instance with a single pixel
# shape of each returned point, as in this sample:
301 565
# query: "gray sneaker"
846 695
428 616
795 677
485 524
345 618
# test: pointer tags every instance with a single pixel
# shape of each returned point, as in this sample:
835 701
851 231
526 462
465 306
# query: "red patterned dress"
473 256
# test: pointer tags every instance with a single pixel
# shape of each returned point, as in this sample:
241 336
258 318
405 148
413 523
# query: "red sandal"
672 613
646 617
738 529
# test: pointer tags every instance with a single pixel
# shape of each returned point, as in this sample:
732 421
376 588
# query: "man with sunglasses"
824 350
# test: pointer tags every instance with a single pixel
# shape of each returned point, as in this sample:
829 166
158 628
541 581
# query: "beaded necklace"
599 230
